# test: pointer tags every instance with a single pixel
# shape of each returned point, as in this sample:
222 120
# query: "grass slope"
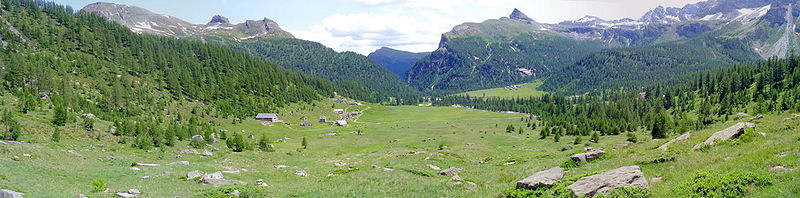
530 89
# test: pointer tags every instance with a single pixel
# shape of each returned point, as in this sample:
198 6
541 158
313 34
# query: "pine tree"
578 140
304 143
596 137
59 114
544 133
557 136
659 128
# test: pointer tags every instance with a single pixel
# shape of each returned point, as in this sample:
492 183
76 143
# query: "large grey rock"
588 156
601 183
450 171
544 178
10 194
664 147
731 132
757 117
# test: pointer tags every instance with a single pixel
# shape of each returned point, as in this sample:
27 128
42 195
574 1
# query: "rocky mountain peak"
217 19
518 15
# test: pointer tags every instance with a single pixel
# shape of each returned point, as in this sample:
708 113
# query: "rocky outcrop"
588 156
601 183
683 137
518 15
544 178
731 132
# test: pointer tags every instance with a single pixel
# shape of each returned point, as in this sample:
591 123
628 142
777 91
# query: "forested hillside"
634 67
95 66
365 79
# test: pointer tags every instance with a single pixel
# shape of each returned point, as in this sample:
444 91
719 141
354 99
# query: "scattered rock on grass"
758 117
260 182
189 151
601 183
81 196
279 166
779 168
179 163
71 152
434 167
145 164
125 195
301 173
387 169
544 178
135 169
206 153
450 171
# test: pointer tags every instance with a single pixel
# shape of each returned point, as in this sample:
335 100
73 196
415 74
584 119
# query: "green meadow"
530 89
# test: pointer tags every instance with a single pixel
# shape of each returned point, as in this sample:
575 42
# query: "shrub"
596 137
56 137
708 183
569 163
578 140
99 185
557 190
632 137
88 124
344 171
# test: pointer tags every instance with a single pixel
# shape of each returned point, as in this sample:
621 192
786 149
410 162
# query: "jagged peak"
218 19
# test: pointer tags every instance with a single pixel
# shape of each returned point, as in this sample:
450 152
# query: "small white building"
338 111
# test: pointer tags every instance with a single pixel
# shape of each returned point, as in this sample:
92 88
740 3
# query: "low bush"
419 172
244 192
709 183
626 192
99 185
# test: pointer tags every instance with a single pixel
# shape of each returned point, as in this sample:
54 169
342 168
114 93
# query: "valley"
114 100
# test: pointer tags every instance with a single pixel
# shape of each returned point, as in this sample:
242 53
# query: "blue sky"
365 25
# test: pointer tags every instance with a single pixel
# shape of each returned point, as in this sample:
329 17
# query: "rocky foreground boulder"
601 183
588 156
216 179
683 137
10 194
731 132
450 171
544 178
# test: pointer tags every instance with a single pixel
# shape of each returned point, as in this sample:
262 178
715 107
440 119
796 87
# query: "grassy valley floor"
405 139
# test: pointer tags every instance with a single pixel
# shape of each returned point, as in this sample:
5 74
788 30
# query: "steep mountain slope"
495 53
264 38
396 61
722 31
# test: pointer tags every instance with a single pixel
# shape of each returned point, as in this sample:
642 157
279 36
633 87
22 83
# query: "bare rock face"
588 156
197 138
194 174
601 183
731 132
544 178
683 137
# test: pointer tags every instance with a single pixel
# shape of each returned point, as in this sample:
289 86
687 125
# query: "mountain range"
590 52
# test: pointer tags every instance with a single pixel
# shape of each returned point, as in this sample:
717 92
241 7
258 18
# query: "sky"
363 26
